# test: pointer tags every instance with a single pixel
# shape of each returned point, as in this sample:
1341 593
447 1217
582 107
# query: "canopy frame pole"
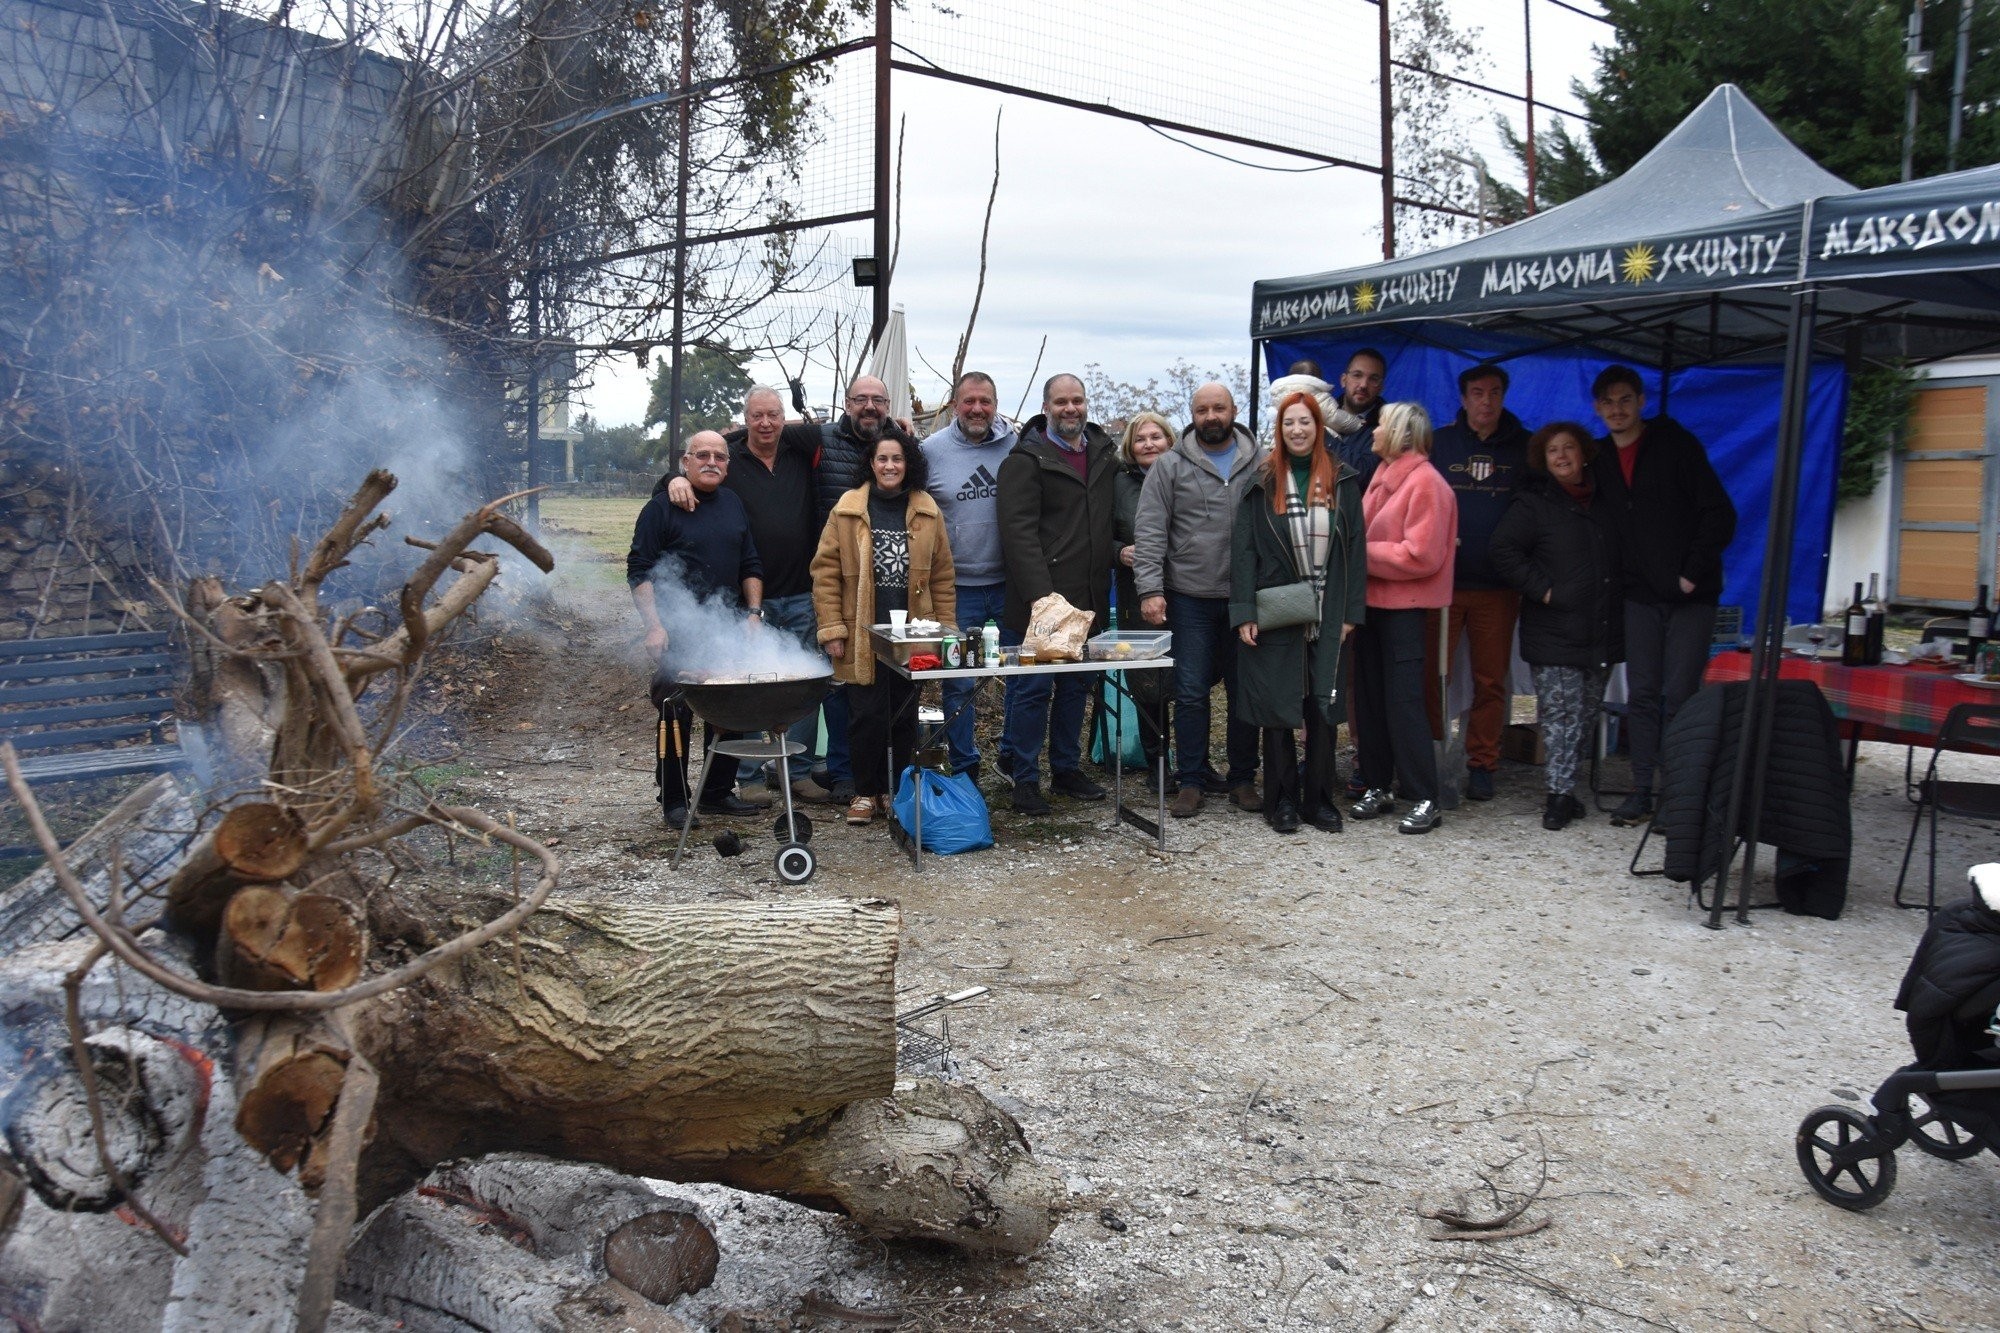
1256 382
1767 650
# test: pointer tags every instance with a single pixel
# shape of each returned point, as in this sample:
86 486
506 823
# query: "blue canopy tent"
1725 251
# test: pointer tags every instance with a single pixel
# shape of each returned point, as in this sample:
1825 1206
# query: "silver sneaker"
1423 817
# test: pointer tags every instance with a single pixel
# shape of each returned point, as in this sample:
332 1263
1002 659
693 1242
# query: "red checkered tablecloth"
1903 705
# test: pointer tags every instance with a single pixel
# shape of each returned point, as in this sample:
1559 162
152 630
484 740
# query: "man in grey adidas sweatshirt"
964 461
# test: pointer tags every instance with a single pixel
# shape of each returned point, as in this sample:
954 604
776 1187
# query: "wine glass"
1816 636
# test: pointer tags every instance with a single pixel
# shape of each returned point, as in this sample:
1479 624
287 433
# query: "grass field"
590 537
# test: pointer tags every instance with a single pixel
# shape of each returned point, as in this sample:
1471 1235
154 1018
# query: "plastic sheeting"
1733 410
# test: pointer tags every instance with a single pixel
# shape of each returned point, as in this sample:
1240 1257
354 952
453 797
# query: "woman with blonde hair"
1147 436
1298 530
1411 518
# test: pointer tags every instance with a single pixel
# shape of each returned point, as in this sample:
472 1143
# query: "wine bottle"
1854 644
1978 626
1878 617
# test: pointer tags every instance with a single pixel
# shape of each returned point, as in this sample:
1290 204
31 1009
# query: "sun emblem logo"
1638 264
1364 297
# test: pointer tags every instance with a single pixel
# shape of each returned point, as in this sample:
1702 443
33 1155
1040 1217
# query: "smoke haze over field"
711 637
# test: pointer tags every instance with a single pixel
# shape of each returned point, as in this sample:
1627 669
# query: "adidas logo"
979 486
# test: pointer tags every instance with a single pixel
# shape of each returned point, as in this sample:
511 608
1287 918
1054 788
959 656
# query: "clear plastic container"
1129 645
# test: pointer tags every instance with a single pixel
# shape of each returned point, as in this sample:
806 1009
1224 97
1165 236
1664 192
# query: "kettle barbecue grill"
749 705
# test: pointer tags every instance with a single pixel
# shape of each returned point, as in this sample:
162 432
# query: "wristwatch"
756 611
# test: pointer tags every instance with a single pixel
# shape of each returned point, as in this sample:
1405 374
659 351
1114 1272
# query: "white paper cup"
898 621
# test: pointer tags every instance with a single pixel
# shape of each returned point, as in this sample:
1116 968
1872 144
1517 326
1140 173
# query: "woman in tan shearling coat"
883 549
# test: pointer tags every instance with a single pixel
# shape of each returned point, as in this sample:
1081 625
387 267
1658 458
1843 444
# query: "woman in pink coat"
1411 520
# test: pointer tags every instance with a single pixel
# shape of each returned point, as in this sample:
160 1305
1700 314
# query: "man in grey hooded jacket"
964 461
1180 566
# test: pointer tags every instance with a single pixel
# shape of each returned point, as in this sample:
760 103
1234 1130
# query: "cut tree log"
611 1224
254 843
288 1076
273 940
435 1269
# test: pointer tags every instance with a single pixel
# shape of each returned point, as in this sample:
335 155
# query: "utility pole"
680 241
1388 139
1916 64
883 52
1958 84
1528 45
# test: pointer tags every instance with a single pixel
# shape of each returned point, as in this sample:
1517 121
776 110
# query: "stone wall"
60 574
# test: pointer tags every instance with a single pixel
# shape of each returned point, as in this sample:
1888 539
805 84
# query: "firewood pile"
258 1081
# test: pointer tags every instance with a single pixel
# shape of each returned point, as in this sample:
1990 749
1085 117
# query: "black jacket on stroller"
1953 984
1805 813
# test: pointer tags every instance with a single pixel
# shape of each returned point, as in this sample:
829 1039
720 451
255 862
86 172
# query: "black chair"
1967 726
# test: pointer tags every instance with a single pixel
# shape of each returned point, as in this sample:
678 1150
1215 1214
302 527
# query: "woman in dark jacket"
1147 436
1298 520
1559 545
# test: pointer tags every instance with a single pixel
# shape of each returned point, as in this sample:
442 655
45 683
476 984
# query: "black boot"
1556 814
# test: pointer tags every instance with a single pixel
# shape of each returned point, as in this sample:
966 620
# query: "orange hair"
1278 463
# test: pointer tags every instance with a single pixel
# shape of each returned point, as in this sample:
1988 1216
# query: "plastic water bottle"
989 644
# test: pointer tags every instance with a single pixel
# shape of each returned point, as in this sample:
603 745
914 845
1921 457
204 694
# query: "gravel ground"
1258 1057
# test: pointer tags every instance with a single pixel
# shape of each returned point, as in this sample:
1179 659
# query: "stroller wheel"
795 863
1937 1133
1841 1159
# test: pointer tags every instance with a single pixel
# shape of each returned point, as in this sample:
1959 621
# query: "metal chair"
1967 726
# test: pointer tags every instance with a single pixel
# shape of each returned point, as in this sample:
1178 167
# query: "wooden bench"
92 706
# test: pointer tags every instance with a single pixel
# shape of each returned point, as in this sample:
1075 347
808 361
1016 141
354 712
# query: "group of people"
1316 577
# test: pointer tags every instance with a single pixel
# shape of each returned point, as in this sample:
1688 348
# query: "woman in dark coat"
1147 436
1299 519
1558 544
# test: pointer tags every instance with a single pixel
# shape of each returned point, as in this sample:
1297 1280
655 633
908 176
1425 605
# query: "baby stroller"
1948 1102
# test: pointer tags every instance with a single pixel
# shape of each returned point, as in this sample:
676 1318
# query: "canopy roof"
1689 258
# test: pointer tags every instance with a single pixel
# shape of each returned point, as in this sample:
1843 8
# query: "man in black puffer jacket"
1676 521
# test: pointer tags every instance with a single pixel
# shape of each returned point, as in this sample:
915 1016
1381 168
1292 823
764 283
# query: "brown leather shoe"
1244 796
1186 803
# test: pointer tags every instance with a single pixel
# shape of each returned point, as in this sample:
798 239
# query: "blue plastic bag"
955 818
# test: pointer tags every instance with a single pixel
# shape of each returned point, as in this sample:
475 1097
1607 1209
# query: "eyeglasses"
869 400
709 458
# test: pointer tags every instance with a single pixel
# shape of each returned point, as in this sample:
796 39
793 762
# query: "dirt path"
1257 1057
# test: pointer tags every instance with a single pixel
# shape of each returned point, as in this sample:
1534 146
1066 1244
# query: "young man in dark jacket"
1483 458
1058 489
1676 520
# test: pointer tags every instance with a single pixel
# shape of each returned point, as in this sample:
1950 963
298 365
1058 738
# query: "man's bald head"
1214 414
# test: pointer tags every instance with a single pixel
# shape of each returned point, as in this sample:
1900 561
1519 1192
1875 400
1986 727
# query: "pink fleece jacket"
1411 518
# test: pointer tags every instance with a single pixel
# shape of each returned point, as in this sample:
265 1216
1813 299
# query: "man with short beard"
1057 496
964 460
1361 386
1187 513
709 551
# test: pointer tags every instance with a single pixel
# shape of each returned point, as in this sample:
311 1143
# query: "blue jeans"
1204 653
793 615
1031 715
977 604
838 767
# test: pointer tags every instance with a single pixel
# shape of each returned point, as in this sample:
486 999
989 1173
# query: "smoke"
712 638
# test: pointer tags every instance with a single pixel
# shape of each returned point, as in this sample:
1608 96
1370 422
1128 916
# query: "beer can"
953 659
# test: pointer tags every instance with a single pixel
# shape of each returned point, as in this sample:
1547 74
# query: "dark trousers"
878 715
1486 616
1307 786
1394 723
1666 651
1205 653
678 753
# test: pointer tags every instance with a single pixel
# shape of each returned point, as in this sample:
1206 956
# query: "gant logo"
979 486
1479 467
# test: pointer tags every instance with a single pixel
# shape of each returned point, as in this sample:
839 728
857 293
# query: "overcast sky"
1122 247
